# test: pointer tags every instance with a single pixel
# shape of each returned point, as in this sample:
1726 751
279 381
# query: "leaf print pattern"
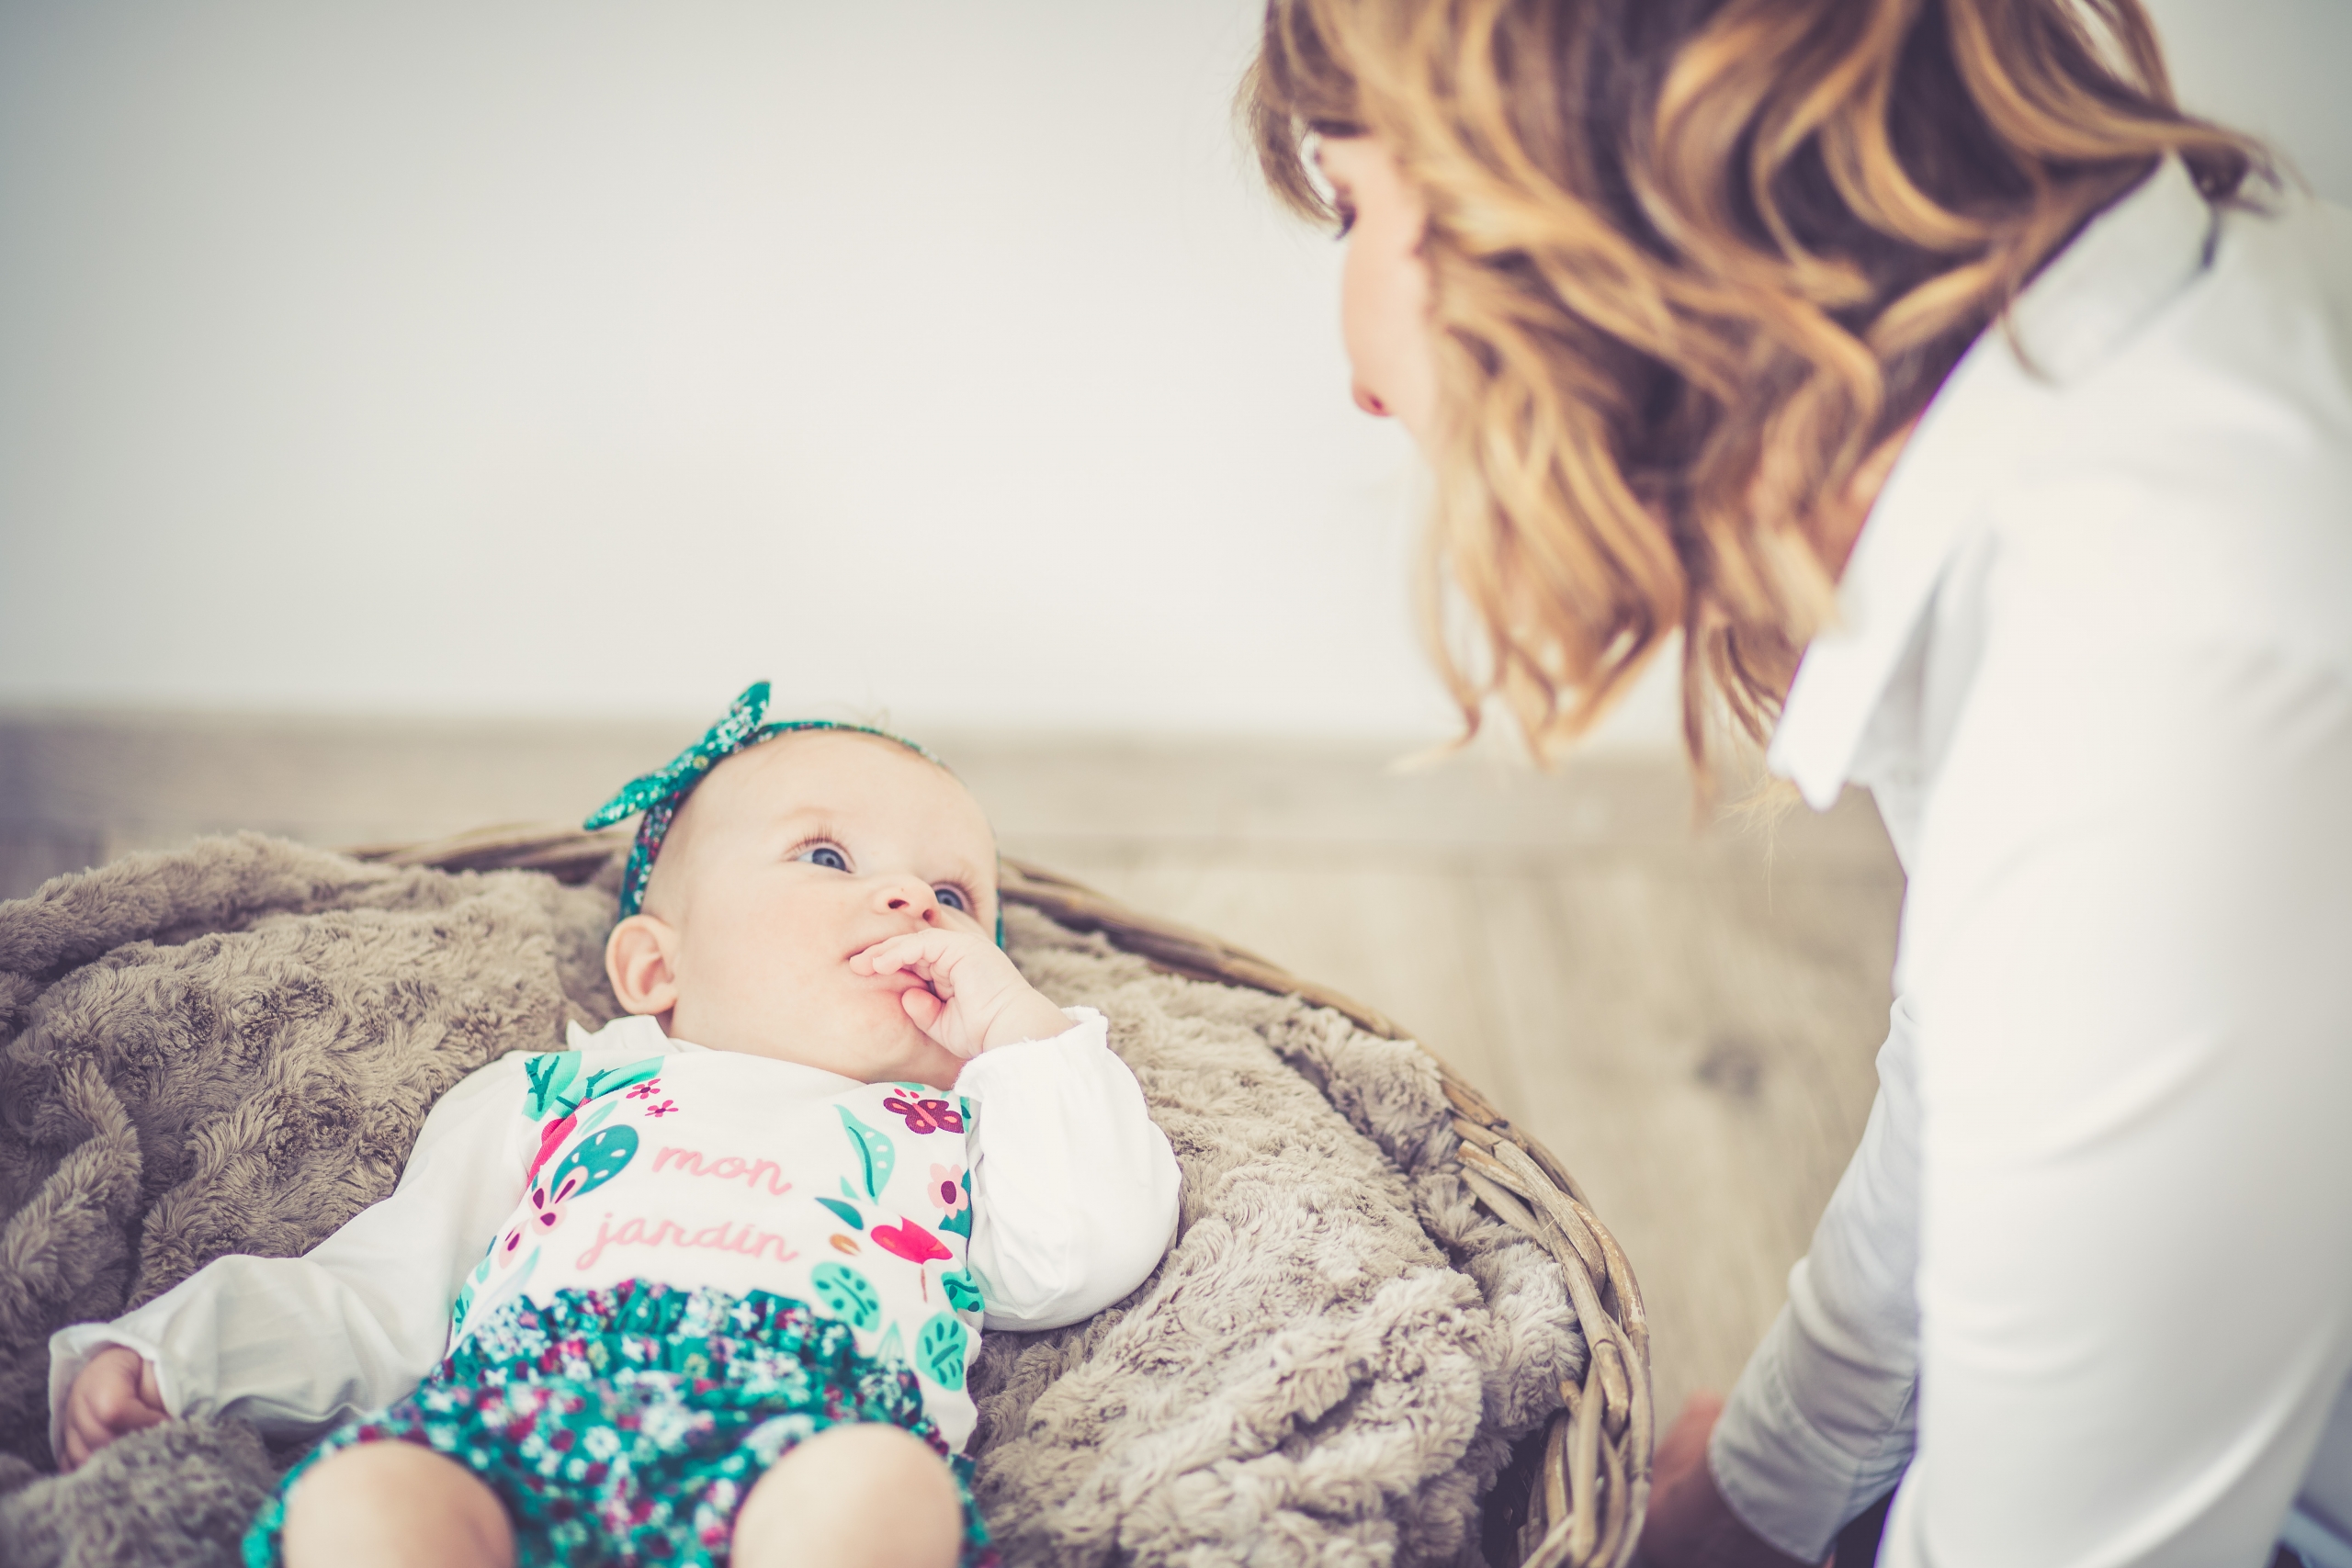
549 1075
963 1291
553 1076
939 1350
847 1294
599 1158
844 1213
877 1156
610 1079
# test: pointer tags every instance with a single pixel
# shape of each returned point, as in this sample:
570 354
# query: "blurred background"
419 416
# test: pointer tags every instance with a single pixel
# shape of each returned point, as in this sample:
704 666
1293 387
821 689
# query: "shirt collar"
635 1032
2117 273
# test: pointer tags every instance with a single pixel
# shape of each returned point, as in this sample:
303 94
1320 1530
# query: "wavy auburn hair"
1692 261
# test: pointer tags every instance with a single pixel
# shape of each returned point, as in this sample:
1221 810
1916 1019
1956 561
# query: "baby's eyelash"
816 842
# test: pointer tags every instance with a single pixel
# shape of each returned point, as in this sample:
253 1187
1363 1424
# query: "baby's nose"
901 897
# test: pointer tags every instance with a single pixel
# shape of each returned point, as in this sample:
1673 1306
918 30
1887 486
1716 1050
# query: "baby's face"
787 860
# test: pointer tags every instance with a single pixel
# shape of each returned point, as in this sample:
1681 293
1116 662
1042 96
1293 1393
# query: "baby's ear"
637 961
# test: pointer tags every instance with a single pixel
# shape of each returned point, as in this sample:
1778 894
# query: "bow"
678 776
660 793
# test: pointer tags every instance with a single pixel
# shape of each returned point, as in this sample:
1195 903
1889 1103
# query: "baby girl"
696 1303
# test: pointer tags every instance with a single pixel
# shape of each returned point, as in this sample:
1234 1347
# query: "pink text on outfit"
747 1239
729 1169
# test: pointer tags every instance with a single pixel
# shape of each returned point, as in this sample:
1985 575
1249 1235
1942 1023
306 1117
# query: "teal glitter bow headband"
660 792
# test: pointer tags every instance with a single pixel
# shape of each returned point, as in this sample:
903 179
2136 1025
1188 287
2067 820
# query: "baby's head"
787 858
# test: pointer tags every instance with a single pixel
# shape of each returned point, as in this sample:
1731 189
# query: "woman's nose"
1369 400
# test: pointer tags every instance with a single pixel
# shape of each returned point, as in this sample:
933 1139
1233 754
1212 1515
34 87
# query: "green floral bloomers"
627 1425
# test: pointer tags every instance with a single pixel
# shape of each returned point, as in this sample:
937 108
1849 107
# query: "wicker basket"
1576 1496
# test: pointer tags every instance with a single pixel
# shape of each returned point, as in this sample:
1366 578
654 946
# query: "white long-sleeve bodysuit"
1035 1193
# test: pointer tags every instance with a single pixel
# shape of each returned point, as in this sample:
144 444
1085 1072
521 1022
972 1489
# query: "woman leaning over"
1982 424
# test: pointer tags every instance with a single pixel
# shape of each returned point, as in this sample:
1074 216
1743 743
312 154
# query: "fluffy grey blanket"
230 1047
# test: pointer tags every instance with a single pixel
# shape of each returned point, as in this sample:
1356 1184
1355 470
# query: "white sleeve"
2128 938
1819 1426
1074 1188
299 1345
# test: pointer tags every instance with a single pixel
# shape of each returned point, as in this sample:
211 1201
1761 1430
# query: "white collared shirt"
2089 1275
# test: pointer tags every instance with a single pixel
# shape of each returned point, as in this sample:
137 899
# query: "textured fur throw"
230 1047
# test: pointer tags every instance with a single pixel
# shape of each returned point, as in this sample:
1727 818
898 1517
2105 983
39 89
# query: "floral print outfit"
627 1426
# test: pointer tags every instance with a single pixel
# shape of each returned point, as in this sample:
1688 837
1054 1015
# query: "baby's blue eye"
951 898
827 856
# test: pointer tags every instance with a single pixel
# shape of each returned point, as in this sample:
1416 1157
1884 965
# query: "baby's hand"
972 998
114 1395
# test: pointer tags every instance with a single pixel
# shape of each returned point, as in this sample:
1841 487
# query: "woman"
1982 424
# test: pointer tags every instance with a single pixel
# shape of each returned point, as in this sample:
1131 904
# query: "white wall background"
590 357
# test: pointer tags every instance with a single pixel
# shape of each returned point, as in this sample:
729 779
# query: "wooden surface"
1687 1017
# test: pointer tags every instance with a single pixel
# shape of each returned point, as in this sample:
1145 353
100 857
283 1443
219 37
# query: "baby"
696 1303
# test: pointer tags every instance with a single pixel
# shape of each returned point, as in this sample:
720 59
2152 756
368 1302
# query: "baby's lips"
873 947
893 980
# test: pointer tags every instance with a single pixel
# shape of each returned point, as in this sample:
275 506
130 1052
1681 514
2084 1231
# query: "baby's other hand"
114 1395
972 998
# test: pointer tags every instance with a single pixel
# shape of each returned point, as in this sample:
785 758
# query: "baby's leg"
867 1495
391 1505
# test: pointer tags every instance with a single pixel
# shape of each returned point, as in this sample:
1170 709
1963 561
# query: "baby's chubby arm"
970 998
296 1344
1075 1191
